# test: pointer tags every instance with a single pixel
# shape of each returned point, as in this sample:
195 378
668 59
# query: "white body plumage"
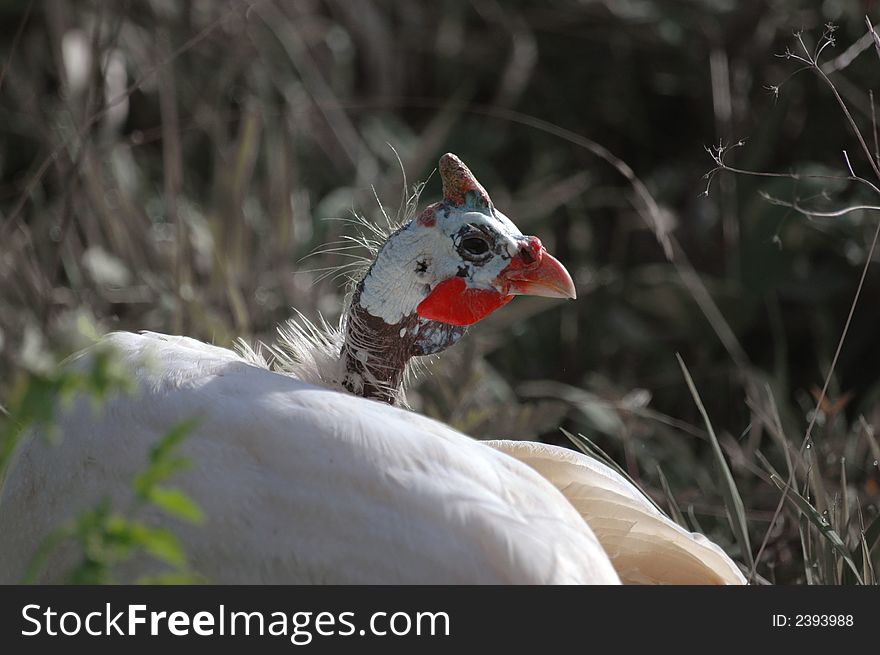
303 484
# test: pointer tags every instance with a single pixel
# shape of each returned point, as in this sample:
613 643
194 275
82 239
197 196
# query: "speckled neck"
375 354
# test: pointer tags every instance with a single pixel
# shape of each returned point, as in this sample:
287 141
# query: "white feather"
298 483
645 546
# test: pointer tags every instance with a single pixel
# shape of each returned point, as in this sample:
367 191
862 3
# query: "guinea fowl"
310 474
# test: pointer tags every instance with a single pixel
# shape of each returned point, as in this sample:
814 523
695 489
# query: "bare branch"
848 164
812 213
848 56
874 127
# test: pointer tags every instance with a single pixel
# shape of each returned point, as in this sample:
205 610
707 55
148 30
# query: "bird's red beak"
535 272
532 271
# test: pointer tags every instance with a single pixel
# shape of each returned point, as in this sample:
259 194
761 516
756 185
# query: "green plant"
36 395
109 537
106 536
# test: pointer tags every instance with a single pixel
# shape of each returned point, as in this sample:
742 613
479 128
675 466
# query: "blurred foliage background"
169 165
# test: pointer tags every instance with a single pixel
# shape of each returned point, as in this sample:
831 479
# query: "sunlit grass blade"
692 516
868 576
821 523
810 566
589 448
732 500
872 533
766 463
867 565
674 509
844 497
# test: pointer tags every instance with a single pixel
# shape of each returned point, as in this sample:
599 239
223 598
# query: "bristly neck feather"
375 353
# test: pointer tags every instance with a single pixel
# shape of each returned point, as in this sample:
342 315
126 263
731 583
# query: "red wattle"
453 303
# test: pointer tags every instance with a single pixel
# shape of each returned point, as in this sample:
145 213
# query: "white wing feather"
299 484
644 545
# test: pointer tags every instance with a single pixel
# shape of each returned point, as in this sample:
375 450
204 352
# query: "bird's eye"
475 246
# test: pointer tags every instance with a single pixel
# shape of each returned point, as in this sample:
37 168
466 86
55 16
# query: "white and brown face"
455 264
460 260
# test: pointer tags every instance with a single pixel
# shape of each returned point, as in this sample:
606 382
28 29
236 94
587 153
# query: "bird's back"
298 484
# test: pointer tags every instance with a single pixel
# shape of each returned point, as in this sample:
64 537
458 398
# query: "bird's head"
460 259
453 265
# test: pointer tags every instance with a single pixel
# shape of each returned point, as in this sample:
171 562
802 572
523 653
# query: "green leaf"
163 463
176 503
159 543
172 439
105 536
157 472
38 561
172 578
